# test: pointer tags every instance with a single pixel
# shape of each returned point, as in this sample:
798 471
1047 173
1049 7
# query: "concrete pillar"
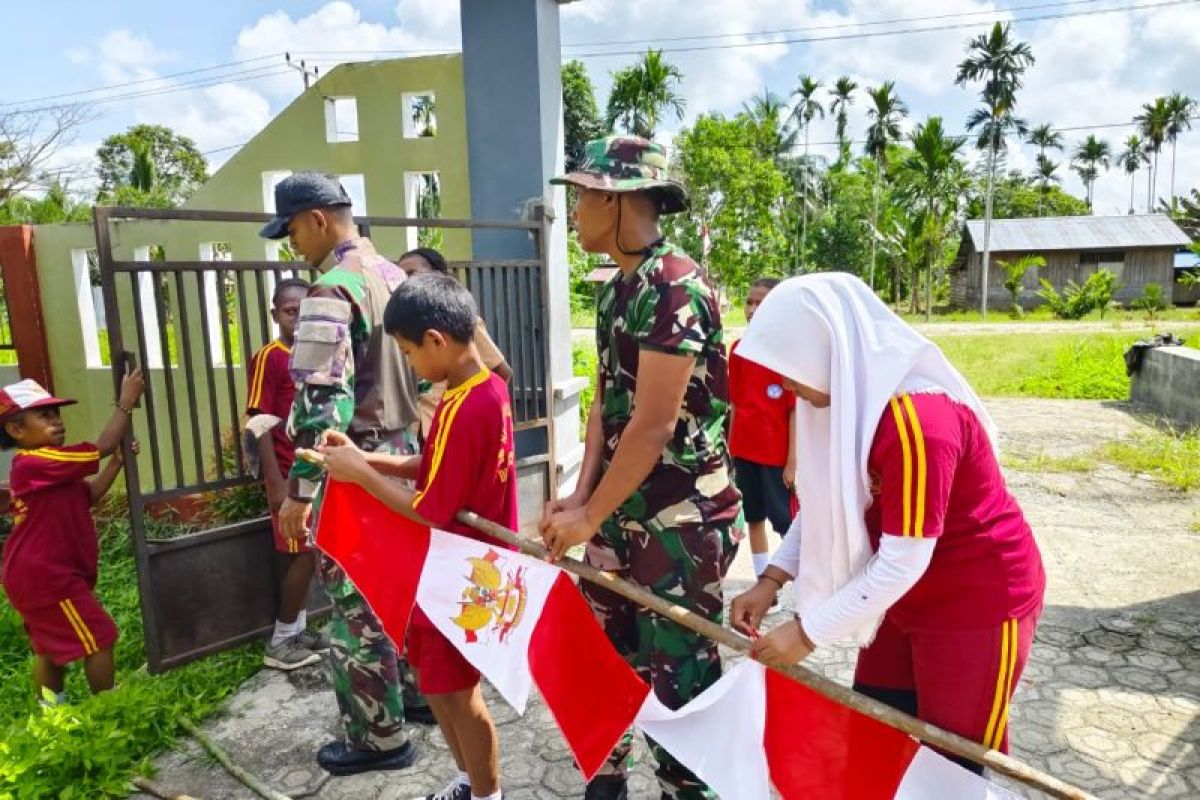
511 72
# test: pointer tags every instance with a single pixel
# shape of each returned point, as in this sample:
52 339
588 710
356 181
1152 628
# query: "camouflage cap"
627 164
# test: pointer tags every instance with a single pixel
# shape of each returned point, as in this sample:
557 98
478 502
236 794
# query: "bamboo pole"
944 740
244 776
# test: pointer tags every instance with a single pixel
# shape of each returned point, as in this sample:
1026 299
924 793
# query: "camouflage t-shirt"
667 305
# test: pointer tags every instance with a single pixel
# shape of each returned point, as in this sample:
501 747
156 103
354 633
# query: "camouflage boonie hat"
627 164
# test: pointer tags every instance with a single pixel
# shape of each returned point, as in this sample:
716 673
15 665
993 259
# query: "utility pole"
302 68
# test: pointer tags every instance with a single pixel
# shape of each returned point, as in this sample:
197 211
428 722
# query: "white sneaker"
453 791
289 655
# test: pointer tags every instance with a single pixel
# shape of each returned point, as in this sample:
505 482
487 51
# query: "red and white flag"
756 728
519 621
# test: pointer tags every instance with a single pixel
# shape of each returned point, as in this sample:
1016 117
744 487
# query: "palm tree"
1180 109
929 181
1044 138
886 111
1152 124
766 110
642 93
1044 172
1132 159
999 62
807 108
422 114
843 97
143 175
1090 155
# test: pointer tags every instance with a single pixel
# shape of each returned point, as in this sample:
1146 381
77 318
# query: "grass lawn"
92 747
1043 314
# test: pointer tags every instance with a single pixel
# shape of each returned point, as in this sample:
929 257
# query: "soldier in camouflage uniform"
352 378
654 500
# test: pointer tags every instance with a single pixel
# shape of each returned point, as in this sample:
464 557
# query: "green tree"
842 95
887 111
178 167
642 93
1187 214
56 205
737 197
1014 277
1090 156
429 206
767 110
1132 159
1044 137
1180 110
1152 123
1044 172
423 112
581 115
1016 196
806 109
929 180
999 62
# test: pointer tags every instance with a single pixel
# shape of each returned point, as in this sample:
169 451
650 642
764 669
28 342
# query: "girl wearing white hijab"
907 542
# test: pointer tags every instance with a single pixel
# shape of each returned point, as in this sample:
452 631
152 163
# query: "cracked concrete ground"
1110 699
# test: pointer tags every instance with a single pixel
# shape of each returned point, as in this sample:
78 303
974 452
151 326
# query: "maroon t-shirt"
271 391
52 549
469 462
934 475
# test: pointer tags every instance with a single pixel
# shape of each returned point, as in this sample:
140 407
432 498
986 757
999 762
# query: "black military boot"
606 787
342 758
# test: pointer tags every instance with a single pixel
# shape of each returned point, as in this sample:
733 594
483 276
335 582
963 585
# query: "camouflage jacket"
668 305
350 376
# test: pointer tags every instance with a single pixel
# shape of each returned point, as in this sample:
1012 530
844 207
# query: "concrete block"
1169 384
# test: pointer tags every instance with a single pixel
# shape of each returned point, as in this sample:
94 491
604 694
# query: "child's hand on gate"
347 464
132 386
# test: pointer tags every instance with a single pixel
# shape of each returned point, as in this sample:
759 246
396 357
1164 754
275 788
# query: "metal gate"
193 325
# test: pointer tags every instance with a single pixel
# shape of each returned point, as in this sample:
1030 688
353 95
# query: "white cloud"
125 56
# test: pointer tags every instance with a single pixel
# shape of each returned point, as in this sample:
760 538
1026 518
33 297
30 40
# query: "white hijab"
830 332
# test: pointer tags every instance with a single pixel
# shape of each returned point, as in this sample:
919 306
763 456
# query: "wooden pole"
244 776
943 740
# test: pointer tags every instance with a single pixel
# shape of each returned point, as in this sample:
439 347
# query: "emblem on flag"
492 599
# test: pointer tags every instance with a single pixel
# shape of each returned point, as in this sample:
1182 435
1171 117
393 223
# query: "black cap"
302 191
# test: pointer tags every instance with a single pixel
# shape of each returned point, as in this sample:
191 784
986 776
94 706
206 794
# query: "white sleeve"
891 572
787 555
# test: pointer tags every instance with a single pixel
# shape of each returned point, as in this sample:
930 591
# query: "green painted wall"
295 140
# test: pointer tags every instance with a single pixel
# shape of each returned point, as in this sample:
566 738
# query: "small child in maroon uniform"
50 558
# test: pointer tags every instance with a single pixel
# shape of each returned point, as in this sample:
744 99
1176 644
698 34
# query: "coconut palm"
1152 124
766 110
999 62
1044 138
929 181
1090 156
886 112
843 97
1132 159
1044 172
1180 110
806 109
643 93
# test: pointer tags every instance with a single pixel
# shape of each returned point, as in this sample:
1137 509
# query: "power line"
838 26
126 84
896 32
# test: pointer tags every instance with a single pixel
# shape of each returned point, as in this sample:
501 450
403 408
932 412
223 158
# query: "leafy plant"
1102 286
583 362
1072 303
1014 277
1152 301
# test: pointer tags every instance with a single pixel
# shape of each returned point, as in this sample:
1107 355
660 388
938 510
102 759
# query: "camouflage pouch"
322 346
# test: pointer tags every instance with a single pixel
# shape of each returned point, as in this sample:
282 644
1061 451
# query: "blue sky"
1091 70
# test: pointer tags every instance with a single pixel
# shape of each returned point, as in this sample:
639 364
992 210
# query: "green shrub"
583 361
1075 301
1152 301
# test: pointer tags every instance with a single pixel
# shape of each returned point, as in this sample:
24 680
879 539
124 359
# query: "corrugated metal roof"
1079 233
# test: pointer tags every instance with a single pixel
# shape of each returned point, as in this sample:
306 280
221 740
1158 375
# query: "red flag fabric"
591 691
817 748
382 552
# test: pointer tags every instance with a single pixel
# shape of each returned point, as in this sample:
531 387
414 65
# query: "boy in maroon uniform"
762 440
468 463
50 558
270 395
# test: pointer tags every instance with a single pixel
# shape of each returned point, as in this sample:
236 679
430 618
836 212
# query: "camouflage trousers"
684 566
369 676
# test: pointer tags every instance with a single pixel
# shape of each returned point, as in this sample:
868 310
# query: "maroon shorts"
441 669
284 544
963 679
73 628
